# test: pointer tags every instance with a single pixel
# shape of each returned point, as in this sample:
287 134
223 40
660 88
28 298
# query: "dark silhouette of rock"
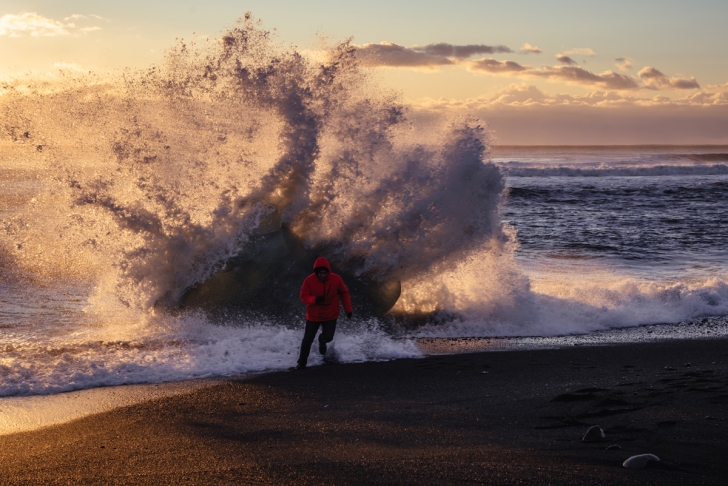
594 434
640 462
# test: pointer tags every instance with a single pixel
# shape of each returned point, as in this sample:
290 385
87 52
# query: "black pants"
327 335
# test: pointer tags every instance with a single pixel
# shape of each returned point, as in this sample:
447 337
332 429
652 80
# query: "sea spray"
163 174
146 183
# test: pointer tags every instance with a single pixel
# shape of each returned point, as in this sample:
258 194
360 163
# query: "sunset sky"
560 72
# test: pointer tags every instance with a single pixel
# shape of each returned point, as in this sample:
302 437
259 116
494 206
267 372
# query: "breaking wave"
583 307
155 178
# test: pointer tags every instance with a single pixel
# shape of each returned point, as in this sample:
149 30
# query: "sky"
540 73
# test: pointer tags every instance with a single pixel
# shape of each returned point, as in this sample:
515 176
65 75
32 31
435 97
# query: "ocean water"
117 192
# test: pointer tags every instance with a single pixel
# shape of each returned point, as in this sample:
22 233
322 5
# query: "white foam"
175 349
583 303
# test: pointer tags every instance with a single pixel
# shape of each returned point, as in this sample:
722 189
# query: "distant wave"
700 157
653 171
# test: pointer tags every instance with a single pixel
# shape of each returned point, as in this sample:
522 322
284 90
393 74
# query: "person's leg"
308 335
327 334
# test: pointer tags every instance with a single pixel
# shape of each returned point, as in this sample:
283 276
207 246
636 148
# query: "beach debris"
640 461
594 434
613 447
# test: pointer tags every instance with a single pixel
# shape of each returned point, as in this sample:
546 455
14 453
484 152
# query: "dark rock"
594 434
640 461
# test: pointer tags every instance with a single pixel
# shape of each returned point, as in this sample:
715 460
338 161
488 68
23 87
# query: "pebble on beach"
594 434
640 461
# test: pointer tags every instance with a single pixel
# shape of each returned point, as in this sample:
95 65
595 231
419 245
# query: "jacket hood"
322 262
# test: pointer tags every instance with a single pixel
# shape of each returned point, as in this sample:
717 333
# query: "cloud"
524 117
493 66
432 56
567 74
580 76
517 95
655 79
460 52
717 88
623 64
34 25
390 54
429 56
524 95
565 59
581 51
529 49
719 98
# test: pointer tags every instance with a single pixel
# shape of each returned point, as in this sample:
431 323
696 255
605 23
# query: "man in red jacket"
321 292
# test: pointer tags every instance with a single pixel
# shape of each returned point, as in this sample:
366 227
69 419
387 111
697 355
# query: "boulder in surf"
265 277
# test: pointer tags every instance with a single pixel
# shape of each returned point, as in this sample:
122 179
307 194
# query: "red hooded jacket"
332 290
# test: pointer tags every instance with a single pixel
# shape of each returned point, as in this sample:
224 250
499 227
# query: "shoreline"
20 414
26 413
109 397
506 417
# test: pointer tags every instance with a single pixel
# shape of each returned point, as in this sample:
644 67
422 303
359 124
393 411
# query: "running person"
321 292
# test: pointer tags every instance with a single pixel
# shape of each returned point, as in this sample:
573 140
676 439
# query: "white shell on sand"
594 434
639 462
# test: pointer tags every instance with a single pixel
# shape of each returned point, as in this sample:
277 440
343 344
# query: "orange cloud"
460 52
524 95
565 59
566 74
524 115
582 51
717 88
623 63
492 66
529 49
432 56
394 55
654 79
30 23
429 56
34 25
580 76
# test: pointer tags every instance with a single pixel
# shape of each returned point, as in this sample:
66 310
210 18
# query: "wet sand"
512 417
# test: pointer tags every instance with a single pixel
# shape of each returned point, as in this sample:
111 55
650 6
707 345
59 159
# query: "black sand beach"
513 417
